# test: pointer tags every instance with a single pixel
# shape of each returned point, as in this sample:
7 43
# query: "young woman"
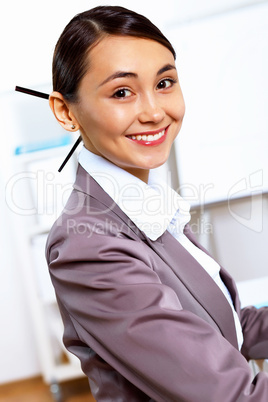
149 313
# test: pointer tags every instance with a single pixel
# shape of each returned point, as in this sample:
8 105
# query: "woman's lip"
150 132
150 143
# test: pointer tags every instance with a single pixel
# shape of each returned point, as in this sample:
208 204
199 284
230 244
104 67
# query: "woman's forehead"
127 53
113 44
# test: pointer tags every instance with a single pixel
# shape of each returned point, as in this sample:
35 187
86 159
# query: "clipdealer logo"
36 193
251 186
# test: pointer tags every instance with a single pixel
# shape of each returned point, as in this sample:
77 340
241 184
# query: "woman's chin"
156 162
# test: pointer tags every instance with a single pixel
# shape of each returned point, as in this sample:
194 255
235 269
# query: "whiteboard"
222 64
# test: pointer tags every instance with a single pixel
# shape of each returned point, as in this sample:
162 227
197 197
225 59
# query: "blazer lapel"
226 278
86 184
198 282
188 270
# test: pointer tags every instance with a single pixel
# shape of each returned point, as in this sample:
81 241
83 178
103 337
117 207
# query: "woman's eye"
165 83
122 93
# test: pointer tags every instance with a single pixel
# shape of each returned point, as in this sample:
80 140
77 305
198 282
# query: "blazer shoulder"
90 210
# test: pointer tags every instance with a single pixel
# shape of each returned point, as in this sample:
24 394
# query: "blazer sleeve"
255 330
118 306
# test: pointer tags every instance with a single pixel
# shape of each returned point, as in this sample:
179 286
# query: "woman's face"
130 105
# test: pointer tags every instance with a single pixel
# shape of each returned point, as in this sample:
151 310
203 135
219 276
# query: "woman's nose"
151 111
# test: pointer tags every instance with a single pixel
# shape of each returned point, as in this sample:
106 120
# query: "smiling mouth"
150 139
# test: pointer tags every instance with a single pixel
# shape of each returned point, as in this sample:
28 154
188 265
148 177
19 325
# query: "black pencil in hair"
32 92
77 142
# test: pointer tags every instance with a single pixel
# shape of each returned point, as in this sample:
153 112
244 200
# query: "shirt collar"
152 206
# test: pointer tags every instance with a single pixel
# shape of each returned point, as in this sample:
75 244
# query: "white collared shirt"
154 208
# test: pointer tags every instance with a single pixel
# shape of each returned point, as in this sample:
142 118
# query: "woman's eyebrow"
167 67
123 74
119 74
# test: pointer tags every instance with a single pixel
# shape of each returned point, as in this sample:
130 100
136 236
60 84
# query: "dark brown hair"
84 31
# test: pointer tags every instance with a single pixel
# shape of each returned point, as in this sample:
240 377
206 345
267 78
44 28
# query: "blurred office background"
218 163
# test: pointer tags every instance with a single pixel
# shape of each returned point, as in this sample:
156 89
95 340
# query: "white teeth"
149 137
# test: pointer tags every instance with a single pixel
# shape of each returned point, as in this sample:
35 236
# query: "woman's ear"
62 112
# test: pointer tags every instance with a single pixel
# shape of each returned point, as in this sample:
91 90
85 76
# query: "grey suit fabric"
145 319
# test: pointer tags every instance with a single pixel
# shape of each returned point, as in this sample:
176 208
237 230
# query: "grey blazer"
144 318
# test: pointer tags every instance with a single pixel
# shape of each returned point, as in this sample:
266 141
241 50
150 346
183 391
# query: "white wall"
236 234
29 30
